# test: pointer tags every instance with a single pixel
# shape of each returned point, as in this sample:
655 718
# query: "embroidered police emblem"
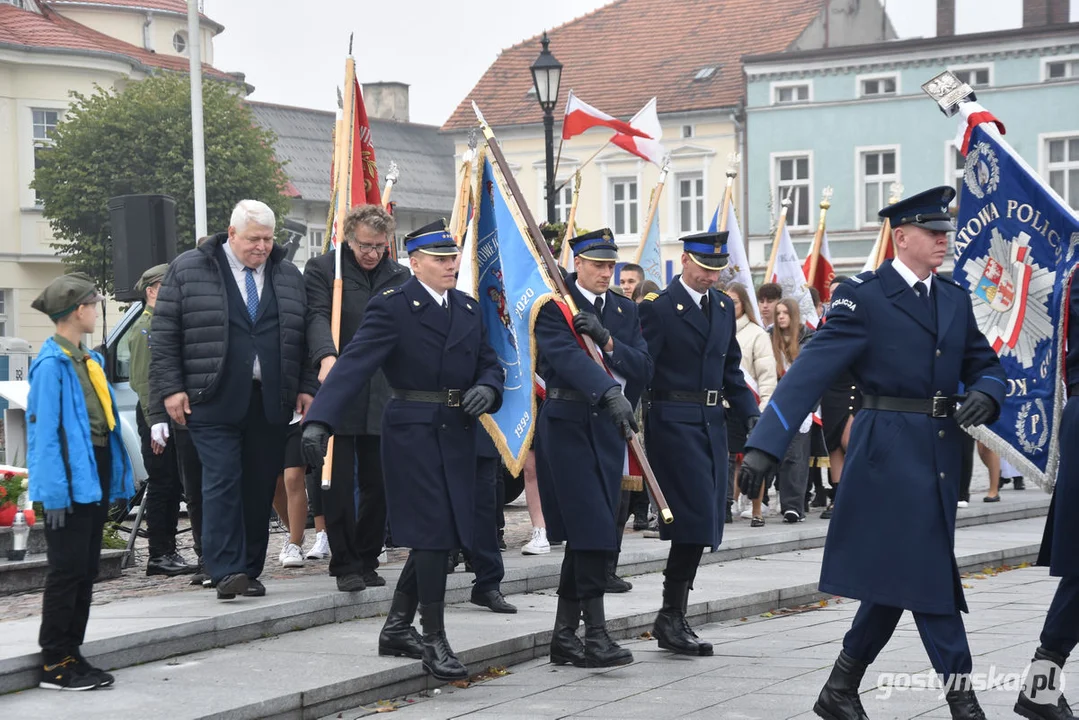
982 173
1014 323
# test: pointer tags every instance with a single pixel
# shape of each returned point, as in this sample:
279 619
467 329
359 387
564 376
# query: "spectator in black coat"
231 363
366 270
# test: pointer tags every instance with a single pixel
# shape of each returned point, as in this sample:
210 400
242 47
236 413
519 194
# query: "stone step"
318 671
29 574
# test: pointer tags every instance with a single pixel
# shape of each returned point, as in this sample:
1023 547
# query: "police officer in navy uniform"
429 341
485 556
1060 633
581 442
910 340
690 330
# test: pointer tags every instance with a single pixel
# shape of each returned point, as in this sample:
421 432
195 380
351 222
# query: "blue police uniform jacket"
687 442
891 537
580 452
1061 536
428 449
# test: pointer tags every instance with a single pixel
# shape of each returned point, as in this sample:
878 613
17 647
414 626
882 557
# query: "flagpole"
571 222
728 192
814 254
775 241
343 154
653 206
885 241
558 157
459 218
590 159
562 289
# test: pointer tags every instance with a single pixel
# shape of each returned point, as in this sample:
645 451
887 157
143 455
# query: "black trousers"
484 555
355 542
966 471
623 516
1061 630
944 637
424 576
682 562
190 467
164 491
240 464
74 553
638 503
584 574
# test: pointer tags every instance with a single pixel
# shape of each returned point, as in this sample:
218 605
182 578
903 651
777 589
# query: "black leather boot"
599 649
962 702
438 658
566 647
615 584
704 648
838 699
670 625
1050 680
398 638
729 518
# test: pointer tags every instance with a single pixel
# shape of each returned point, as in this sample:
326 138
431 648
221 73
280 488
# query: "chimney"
1037 13
945 18
386 100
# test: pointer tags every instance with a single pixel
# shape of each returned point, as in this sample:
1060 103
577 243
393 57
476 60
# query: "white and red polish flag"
581 116
645 142
788 274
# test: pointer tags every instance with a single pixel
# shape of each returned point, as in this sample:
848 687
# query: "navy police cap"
432 239
596 245
927 209
707 249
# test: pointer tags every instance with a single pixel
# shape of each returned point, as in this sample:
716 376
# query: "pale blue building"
855 118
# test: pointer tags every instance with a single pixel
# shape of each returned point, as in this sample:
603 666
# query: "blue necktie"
252 293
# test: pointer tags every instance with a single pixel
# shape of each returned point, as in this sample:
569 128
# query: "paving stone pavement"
766 668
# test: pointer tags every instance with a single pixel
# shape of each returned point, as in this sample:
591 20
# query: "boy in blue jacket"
77 465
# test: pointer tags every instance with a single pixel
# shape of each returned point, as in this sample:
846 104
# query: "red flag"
825 271
580 116
646 144
365 187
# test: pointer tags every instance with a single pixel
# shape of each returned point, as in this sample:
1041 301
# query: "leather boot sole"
558 658
821 712
615 662
445 678
695 650
399 652
1031 714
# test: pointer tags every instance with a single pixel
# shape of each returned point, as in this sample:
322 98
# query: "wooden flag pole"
653 207
391 180
459 218
814 253
885 241
562 289
343 154
728 192
571 222
775 241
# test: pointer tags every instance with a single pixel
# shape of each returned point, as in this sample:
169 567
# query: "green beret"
151 276
66 293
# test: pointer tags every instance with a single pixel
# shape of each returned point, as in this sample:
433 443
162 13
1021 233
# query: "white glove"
159 433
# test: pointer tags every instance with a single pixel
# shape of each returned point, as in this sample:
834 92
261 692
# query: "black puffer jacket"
358 287
190 329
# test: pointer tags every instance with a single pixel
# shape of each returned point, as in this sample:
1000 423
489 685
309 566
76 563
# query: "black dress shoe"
964 705
169 565
254 588
230 586
351 582
493 599
373 579
200 575
827 512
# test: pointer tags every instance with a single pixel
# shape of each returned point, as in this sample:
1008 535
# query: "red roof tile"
24 28
619 56
170 6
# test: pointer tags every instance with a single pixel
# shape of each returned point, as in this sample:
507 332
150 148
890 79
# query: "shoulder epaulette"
391 291
864 277
950 281
651 296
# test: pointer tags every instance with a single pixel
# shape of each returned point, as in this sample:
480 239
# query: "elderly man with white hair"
230 362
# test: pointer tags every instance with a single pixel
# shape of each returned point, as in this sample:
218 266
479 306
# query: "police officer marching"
581 442
910 340
428 339
690 330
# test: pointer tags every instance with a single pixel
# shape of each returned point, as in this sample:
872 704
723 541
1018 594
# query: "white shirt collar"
589 295
693 294
439 299
234 262
909 277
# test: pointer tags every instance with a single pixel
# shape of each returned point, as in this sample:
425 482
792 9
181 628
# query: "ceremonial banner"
738 263
788 275
825 273
510 287
358 153
649 256
1016 247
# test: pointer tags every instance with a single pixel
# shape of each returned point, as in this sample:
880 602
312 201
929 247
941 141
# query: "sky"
293 52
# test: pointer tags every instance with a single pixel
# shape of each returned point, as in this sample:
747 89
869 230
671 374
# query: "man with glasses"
367 270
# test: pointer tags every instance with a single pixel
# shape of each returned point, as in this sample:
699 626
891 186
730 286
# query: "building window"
691 202
563 201
785 94
44 124
792 180
1063 168
315 239
4 326
687 131
957 166
16 3
624 205
879 86
976 77
179 42
1062 69
879 171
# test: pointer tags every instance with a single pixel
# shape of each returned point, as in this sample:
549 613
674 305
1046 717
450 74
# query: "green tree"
139 141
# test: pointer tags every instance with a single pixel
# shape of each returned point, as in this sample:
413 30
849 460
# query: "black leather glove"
751 422
478 399
975 409
618 407
55 519
589 324
757 466
313 443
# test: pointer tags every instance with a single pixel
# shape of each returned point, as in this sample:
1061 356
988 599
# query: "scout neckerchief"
100 385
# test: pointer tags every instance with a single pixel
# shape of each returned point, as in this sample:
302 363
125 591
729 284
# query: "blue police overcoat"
579 450
892 534
687 442
1061 539
428 449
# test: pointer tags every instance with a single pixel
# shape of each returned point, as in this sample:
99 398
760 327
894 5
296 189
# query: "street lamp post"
546 76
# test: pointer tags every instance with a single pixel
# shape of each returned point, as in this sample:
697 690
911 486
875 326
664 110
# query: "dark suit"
895 347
